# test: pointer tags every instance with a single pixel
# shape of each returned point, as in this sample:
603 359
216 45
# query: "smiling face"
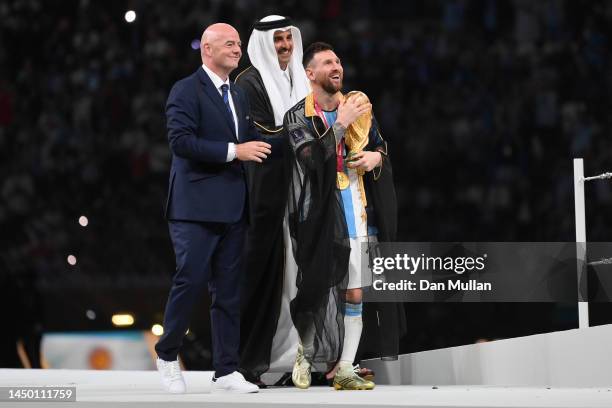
221 48
283 43
325 70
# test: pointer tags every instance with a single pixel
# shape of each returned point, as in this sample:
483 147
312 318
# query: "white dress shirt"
218 82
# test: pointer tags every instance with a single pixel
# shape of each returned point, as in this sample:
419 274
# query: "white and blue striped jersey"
354 210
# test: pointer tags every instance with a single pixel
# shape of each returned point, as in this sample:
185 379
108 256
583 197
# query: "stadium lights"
157 329
130 16
71 260
83 221
122 320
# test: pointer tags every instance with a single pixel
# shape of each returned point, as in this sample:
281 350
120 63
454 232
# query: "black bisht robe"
320 236
264 251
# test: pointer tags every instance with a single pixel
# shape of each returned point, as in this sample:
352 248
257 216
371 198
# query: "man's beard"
329 87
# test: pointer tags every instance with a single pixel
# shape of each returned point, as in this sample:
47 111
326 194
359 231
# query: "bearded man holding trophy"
341 202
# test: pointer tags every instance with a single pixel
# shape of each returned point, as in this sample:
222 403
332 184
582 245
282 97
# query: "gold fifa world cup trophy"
356 138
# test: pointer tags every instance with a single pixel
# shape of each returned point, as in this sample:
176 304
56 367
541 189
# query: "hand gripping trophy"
356 138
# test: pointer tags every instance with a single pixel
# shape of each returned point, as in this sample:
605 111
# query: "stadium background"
483 102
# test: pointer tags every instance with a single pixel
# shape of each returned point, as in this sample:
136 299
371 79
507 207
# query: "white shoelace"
303 365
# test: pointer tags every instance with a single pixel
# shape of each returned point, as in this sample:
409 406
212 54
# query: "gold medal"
342 180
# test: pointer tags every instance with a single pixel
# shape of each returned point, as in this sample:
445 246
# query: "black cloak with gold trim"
264 252
320 236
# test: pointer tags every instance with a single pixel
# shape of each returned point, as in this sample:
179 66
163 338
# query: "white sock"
353 325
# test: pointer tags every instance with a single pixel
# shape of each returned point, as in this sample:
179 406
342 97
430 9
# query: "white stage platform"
141 388
572 358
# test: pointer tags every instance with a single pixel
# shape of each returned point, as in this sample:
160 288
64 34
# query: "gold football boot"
364 372
301 370
347 379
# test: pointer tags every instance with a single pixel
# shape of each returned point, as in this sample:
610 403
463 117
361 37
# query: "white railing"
579 180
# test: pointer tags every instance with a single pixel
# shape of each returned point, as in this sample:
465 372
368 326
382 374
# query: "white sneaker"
234 383
172 379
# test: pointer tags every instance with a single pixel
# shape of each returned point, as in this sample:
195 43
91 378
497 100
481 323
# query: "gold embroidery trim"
266 129
245 70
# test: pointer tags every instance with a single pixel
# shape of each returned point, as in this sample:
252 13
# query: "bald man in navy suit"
210 135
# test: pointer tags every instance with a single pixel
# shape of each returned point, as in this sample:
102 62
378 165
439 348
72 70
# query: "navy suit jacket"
203 186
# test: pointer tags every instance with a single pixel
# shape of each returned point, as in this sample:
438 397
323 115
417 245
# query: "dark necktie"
225 93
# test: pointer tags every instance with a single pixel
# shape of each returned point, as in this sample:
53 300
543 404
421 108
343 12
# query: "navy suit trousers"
206 254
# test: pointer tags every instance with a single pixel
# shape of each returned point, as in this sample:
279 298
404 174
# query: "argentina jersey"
354 210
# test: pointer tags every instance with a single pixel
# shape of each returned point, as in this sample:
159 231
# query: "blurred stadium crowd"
483 102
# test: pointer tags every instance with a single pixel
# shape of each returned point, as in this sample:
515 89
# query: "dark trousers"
206 254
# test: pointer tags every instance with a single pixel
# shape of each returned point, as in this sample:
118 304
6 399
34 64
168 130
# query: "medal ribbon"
339 150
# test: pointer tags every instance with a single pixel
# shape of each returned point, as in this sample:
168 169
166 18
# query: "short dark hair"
314 48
